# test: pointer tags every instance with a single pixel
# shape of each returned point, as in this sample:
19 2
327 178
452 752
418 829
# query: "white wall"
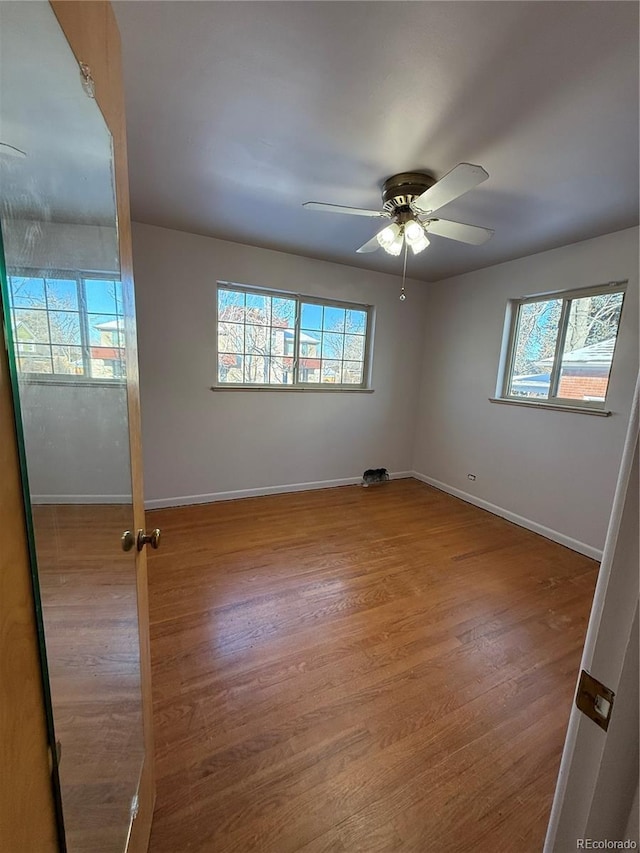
201 443
557 470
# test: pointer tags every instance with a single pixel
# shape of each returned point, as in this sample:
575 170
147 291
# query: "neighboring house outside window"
271 339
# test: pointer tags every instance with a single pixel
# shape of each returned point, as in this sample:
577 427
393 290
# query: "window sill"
80 382
292 388
556 407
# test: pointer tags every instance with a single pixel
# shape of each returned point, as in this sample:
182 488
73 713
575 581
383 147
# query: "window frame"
296 385
80 276
508 349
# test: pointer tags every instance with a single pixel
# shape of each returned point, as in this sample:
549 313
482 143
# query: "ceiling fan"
409 200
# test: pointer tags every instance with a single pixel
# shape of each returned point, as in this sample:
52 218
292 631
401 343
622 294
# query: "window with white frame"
276 339
560 347
67 326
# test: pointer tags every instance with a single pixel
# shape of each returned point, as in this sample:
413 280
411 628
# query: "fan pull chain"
403 295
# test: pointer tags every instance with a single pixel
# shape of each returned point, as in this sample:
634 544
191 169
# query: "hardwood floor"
359 669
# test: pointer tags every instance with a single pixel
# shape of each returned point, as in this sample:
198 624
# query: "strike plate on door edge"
595 700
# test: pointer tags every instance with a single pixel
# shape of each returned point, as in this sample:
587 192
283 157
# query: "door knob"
128 540
152 539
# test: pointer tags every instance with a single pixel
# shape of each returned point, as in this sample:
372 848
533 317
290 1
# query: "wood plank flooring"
359 669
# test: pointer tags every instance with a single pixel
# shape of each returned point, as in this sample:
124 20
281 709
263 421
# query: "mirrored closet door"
64 321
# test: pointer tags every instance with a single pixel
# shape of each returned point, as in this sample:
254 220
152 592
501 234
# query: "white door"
596 797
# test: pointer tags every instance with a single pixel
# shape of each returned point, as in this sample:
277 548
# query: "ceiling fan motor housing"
399 191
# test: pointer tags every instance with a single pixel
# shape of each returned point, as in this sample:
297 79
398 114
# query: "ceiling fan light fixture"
396 247
389 235
413 232
419 245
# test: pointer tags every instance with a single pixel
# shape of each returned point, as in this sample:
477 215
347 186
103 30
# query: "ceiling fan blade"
370 246
340 208
457 182
473 234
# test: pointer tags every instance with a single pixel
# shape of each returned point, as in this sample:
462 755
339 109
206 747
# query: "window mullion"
84 325
514 331
296 343
46 308
366 352
557 357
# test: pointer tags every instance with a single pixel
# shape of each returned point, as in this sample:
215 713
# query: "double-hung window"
559 348
276 339
67 326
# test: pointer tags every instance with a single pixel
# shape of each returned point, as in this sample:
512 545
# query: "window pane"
230 368
588 348
231 306
230 337
282 342
311 316
105 330
332 345
352 372
258 309
283 312
67 360
331 372
107 363
356 322
27 292
35 364
309 343
257 339
309 355
309 370
101 296
333 319
62 293
30 325
534 347
256 369
26 349
65 327
281 371
354 347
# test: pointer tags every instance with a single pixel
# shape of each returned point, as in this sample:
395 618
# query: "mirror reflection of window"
68 325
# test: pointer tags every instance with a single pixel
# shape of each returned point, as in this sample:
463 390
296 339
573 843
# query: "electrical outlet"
471 476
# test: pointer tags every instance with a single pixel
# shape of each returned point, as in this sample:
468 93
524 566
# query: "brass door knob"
152 539
128 540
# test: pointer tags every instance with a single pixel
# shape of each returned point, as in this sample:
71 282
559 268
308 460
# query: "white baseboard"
81 499
547 532
187 500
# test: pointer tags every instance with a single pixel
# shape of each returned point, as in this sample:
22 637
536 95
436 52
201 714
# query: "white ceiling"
238 112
